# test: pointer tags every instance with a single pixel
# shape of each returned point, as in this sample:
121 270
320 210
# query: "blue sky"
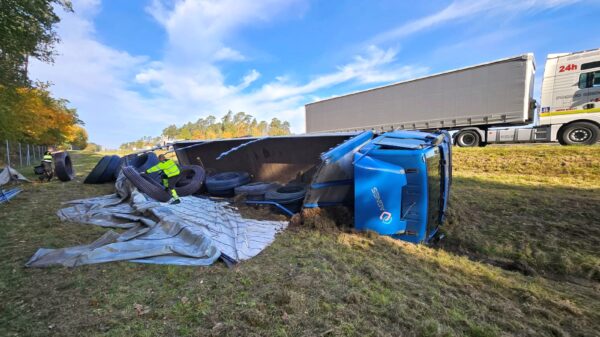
133 67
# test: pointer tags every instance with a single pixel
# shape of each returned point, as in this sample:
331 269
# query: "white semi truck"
486 103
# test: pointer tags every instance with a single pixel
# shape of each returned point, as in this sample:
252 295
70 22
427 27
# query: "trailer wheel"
468 138
580 133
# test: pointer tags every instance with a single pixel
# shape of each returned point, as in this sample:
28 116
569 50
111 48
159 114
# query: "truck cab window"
588 80
590 65
596 79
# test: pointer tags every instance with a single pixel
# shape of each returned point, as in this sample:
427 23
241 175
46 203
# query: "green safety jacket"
47 158
168 167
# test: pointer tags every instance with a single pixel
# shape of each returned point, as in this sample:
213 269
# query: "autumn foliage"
31 115
231 125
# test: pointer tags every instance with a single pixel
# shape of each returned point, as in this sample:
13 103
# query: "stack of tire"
228 184
289 196
63 167
255 191
141 162
192 178
223 184
106 170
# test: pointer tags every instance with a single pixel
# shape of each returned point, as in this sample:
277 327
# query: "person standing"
170 175
47 165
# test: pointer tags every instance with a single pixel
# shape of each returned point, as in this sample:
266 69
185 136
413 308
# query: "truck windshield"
434 191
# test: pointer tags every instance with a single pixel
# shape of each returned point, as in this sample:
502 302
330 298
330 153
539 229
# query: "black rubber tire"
192 178
579 133
142 162
94 176
109 173
226 181
63 167
156 191
38 170
255 190
286 194
468 138
146 185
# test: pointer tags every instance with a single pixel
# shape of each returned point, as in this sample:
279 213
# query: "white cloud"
122 97
227 53
463 9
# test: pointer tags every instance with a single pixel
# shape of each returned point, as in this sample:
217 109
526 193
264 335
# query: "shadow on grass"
552 231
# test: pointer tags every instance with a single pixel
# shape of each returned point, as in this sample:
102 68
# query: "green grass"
518 207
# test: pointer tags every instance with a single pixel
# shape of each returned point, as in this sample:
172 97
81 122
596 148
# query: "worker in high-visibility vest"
47 165
170 175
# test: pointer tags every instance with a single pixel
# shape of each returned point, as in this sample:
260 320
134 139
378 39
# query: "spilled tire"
63 167
109 173
192 178
97 171
141 163
222 184
255 190
285 194
290 196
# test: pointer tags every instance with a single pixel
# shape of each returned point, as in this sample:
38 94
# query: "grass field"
520 257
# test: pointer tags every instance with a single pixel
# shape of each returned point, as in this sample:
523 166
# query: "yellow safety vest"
168 167
47 158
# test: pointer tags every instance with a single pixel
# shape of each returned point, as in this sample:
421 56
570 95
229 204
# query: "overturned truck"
397 182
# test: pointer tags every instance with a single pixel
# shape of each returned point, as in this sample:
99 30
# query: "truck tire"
191 182
98 171
192 178
580 133
146 185
109 173
255 190
468 138
63 168
142 162
224 183
286 194
290 196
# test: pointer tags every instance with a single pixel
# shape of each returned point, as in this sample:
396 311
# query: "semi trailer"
487 103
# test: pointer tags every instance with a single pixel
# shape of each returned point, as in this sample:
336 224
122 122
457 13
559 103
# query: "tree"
230 125
170 131
79 138
279 128
93 147
31 115
26 30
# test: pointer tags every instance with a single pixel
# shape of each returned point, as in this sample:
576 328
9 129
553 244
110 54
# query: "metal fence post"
7 154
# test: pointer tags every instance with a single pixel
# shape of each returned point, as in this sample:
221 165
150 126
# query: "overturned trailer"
326 164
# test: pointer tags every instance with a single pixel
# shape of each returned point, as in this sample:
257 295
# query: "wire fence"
16 154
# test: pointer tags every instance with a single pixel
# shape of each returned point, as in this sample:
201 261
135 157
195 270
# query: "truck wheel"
580 133
468 138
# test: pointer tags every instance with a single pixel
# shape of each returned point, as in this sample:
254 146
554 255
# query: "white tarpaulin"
10 174
195 232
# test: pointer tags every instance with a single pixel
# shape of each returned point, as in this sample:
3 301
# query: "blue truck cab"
402 183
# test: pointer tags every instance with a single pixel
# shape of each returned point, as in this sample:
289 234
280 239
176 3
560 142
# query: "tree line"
231 125
28 111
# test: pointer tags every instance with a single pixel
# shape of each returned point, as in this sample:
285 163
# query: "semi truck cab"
570 102
569 109
402 184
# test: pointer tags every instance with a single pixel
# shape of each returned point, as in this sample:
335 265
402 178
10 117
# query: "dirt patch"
259 212
331 218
